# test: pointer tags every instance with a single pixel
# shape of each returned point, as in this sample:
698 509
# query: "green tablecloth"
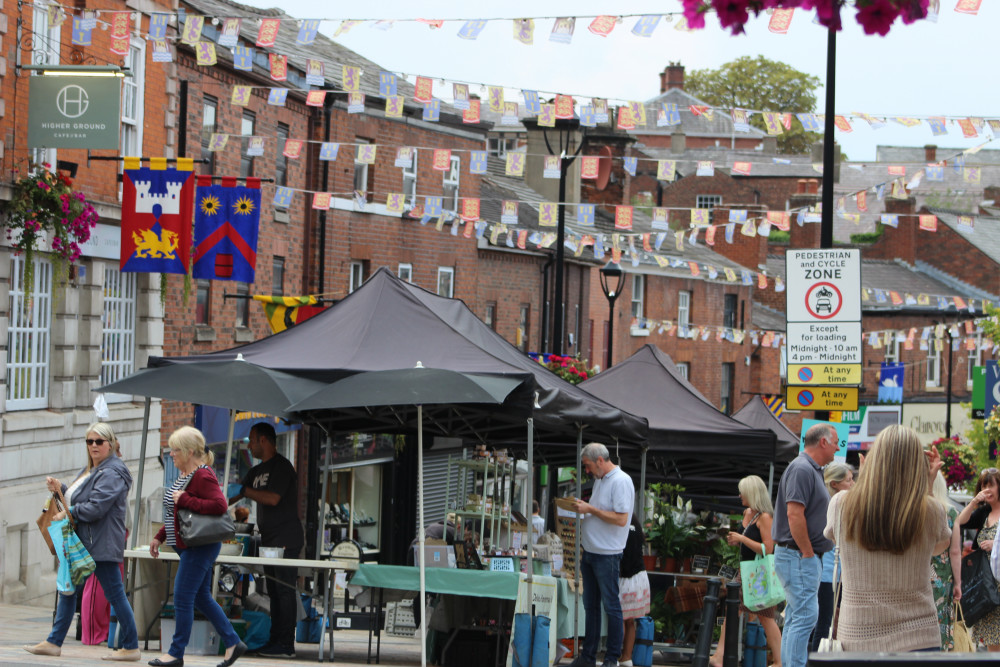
475 583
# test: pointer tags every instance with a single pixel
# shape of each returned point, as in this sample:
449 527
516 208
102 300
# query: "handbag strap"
832 634
60 498
959 616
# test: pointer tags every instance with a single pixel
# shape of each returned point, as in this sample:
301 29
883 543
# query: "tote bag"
761 588
979 588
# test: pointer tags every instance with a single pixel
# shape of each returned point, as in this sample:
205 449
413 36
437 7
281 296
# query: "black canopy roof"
690 441
388 324
756 414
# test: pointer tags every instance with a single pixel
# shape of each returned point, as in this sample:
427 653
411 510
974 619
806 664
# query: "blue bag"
310 628
755 648
258 629
642 652
526 652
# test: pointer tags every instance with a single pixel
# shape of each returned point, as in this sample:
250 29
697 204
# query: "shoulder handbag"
979 589
49 510
960 633
200 529
81 563
830 643
761 588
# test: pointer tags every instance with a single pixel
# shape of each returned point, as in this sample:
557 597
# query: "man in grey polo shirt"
799 520
604 531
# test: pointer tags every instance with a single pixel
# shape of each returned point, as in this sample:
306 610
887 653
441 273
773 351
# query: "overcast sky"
928 68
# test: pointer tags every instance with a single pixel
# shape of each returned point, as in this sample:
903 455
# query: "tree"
762 85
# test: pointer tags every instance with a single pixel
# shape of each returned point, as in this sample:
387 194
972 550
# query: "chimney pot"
801 187
812 186
672 77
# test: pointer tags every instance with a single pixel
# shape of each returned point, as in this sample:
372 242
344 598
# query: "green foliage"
976 437
763 85
672 529
990 323
868 237
778 236
959 461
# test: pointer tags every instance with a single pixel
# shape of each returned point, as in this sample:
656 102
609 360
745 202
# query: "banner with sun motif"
156 216
226 223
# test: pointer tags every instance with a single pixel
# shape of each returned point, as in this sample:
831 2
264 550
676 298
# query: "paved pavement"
20 625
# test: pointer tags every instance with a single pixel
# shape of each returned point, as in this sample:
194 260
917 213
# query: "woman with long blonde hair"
886 530
754 538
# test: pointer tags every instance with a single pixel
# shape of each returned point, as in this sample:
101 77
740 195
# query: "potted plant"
45 213
672 529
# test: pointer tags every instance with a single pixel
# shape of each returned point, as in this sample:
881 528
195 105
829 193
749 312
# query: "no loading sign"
823 300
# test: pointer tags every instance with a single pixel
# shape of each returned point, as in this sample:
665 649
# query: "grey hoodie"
99 509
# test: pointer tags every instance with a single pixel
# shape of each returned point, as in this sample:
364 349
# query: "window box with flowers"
959 462
572 369
45 214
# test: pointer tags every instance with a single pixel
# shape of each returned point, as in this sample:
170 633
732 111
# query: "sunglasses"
96 441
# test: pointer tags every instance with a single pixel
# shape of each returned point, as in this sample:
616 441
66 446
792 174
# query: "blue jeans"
192 588
800 578
110 576
600 586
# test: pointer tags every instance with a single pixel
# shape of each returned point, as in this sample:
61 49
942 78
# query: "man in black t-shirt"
273 485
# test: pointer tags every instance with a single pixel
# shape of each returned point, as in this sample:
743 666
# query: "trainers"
275 651
625 663
580 661
610 662
44 648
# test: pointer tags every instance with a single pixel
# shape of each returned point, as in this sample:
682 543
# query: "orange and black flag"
284 312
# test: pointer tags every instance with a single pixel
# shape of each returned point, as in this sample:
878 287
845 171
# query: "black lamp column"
609 273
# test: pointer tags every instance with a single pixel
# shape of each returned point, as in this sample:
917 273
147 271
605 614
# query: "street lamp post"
609 272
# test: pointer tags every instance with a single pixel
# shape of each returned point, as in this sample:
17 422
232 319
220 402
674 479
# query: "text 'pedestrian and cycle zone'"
823 311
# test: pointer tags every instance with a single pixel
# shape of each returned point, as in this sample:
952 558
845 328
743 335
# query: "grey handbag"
200 529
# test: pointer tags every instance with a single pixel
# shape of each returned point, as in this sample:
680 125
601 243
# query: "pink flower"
877 16
694 12
732 14
44 186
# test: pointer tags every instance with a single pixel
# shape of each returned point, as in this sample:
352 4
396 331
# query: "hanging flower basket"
46 214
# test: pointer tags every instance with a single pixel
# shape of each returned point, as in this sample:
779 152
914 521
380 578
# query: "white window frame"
452 179
46 51
684 308
973 358
356 276
707 201
933 364
892 350
405 272
638 295
446 281
410 181
360 169
242 305
29 337
683 368
118 327
133 88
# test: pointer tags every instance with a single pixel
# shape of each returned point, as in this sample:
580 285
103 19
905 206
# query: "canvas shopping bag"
761 588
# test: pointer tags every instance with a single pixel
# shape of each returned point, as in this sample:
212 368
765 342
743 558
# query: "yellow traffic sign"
824 374
822 398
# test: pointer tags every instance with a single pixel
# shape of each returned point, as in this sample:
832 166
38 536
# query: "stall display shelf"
489 482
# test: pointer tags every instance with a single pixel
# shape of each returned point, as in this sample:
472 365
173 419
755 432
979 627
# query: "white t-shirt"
614 492
537 528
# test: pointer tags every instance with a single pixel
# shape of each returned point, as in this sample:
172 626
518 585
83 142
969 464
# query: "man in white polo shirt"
605 529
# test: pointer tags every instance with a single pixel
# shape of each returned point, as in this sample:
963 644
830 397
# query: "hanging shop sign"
74 112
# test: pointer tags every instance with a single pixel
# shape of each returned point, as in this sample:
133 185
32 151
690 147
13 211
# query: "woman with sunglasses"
983 514
97 500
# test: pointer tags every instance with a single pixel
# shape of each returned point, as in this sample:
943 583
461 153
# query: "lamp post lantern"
609 273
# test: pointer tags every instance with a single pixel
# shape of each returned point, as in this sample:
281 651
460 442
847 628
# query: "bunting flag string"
630 113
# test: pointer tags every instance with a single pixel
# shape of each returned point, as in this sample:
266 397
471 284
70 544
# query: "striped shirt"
168 506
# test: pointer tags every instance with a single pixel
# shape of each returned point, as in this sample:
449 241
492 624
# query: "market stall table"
326 568
481 584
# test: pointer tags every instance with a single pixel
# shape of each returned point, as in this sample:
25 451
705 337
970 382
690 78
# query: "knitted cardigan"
888 604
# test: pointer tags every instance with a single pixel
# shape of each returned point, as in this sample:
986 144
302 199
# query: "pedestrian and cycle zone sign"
823 311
